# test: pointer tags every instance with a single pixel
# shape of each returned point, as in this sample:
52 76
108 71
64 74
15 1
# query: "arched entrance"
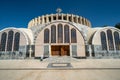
60 39
60 50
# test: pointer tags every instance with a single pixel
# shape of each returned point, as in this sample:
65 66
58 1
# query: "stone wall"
99 53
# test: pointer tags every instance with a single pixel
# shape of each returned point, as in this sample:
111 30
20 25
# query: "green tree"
117 25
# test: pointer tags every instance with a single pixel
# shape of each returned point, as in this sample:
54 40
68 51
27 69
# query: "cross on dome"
59 10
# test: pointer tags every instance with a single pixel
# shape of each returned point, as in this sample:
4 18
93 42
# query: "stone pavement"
82 69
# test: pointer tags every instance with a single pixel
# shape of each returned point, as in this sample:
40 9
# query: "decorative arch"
110 39
103 40
60 40
46 36
16 41
3 41
10 40
53 34
73 36
66 34
117 40
60 33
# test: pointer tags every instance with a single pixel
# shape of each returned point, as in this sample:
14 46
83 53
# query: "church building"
60 35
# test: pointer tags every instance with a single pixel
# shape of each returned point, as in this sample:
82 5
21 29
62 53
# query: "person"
41 58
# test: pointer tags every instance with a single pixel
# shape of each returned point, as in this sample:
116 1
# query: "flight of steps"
60 59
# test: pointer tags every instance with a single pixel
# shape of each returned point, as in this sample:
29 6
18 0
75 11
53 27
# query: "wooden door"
55 50
60 50
65 51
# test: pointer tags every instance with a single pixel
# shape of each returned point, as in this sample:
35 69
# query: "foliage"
117 25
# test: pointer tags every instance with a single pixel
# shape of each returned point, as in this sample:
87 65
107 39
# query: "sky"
17 13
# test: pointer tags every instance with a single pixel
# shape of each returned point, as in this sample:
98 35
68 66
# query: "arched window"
10 40
16 41
60 33
3 41
103 40
73 36
66 34
117 40
110 40
53 34
46 36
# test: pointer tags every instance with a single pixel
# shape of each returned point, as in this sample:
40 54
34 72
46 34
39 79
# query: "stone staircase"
60 59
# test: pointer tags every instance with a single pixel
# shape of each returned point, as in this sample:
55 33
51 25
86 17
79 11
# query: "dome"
58 16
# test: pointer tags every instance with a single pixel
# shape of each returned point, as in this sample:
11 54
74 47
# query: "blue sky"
17 13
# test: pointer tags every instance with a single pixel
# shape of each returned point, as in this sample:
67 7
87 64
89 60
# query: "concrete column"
56 33
80 20
61 16
63 33
50 54
29 24
43 20
72 19
6 42
13 41
56 16
36 21
83 21
51 17
67 17
86 22
114 42
76 19
47 19
89 24
39 20
71 50
90 51
32 22
107 41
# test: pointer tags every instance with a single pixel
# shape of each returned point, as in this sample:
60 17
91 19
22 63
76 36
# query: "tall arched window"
53 34
3 41
73 36
10 40
46 36
60 33
16 41
103 40
66 34
110 39
117 40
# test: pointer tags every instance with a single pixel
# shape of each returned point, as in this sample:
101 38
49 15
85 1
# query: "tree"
117 25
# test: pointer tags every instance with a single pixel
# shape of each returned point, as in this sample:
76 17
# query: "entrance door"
60 50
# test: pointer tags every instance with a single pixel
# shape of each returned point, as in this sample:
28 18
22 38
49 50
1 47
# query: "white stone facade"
82 40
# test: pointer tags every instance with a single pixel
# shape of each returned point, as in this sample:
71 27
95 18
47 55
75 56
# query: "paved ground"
83 69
